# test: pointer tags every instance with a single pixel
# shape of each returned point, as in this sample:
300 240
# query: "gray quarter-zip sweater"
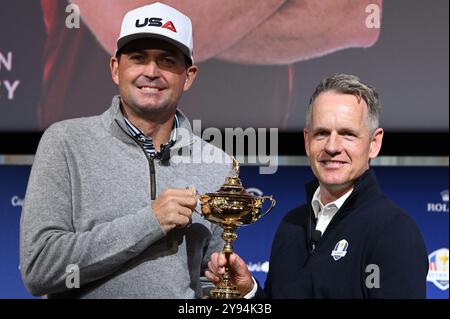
87 207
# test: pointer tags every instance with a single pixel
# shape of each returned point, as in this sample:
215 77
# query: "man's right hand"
240 275
174 207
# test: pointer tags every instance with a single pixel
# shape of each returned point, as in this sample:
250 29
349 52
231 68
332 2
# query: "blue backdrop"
421 191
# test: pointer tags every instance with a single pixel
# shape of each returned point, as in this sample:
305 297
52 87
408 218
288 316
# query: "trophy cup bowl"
231 207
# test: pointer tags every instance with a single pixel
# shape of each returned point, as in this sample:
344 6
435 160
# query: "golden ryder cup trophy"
231 207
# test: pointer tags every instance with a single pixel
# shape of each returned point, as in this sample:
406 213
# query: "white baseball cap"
160 21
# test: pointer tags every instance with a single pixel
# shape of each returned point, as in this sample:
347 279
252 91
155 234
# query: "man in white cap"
107 212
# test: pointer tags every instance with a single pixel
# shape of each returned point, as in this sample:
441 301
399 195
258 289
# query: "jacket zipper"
151 164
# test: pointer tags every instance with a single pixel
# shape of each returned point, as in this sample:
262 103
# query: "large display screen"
259 60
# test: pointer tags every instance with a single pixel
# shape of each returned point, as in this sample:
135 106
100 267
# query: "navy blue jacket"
379 234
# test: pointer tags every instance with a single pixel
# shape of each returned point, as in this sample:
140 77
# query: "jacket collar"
366 186
113 119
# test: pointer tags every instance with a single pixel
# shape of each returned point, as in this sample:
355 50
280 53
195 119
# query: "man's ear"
375 144
305 137
114 66
190 76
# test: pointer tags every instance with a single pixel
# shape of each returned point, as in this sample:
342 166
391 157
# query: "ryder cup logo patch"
438 268
340 250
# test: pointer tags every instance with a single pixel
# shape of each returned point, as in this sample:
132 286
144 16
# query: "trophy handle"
271 206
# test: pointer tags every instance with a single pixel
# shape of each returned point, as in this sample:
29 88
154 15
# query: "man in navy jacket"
349 240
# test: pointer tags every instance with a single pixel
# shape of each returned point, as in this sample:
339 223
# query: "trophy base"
225 292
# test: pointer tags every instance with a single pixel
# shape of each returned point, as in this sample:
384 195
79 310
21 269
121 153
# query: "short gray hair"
350 84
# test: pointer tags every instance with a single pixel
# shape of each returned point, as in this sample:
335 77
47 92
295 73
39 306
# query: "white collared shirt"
324 213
